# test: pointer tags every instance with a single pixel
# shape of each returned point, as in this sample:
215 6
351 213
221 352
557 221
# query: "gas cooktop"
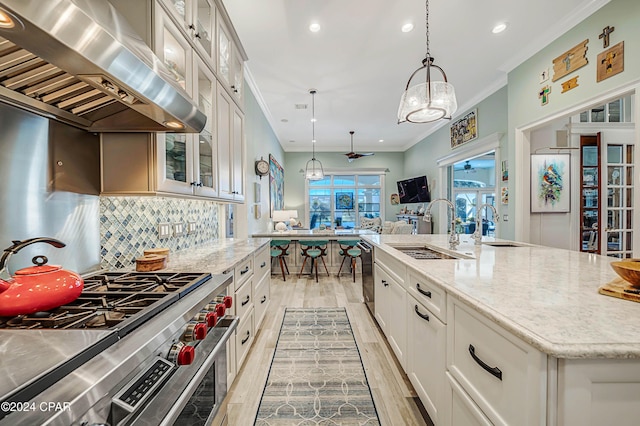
113 300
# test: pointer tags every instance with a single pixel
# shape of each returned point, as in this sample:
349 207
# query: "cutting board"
617 287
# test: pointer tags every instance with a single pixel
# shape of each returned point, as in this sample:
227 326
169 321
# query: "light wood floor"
392 392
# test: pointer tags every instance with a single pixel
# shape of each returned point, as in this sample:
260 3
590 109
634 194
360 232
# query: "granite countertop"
546 296
215 257
306 233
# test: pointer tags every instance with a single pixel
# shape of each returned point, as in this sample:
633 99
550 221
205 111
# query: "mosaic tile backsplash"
128 225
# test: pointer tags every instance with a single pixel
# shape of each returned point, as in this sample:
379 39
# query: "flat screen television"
414 190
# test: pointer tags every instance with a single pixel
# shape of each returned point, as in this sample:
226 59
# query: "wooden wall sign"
610 62
570 84
570 60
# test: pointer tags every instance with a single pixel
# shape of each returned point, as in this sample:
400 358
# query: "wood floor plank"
392 392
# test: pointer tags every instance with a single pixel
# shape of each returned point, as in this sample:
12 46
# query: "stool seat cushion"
355 252
275 252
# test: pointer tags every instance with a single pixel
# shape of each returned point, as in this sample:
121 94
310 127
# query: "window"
618 111
474 185
338 201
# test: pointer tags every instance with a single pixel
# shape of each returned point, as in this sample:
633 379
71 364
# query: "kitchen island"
515 333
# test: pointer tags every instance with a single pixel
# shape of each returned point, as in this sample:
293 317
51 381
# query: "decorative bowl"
628 270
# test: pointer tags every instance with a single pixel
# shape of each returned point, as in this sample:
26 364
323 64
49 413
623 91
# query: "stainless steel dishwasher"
367 275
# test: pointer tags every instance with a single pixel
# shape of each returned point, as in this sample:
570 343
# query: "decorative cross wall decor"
544 95
570 84
605 35
571 60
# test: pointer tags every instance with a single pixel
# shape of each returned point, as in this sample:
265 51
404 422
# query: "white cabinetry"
504 376
230 147
197 20
230 62
598 392
391 302
426 343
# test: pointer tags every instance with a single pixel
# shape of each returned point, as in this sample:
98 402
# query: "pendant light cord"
427 27
313 124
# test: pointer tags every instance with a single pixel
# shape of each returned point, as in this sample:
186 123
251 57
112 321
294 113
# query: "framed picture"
344 201
505 171
550 183
276 185
464 129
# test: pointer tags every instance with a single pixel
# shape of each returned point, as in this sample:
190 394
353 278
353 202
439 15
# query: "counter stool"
349 250
279 250
314 250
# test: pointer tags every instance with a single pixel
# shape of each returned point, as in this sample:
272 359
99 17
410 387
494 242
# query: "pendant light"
314 169
431 100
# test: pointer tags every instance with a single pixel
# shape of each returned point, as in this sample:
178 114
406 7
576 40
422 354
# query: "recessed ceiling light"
173 125
407 27
284 120
499 28
314 27
313 120
381 140
5 20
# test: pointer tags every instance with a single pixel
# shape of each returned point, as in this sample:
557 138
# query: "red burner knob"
220 309
228 301
211 319
181 354
195 331
186 355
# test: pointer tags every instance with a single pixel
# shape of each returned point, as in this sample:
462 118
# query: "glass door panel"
176 156
204 25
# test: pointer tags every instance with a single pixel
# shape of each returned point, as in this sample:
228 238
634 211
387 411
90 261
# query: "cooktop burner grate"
113 300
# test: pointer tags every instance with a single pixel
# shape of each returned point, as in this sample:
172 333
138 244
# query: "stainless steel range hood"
79 61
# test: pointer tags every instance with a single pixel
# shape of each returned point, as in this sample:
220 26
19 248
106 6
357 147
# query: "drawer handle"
246 338
493 370
426 293
384 283
264 299
244 271
263 264
421 315
244 302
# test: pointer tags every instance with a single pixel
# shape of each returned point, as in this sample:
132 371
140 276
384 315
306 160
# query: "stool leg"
325 265
282 268
285 264
302 268
343 259
353 268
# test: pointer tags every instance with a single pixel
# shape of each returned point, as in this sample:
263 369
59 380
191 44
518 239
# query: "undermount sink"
504 244
428 253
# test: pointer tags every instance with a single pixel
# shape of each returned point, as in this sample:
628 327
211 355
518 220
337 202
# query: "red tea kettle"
37 288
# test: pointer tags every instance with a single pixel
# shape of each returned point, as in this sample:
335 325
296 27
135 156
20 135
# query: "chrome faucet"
454 240
477 234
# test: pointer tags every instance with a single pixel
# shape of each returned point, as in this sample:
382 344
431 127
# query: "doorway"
474 182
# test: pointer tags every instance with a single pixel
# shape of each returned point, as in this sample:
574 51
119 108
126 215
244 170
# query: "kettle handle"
19 245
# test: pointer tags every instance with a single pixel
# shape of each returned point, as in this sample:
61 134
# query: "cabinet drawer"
261 297
502 374
242 271
262 262
462 410
396 269
244 339
243 300
428 293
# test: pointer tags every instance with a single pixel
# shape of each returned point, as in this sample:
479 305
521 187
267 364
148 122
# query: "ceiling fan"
354 155
468 168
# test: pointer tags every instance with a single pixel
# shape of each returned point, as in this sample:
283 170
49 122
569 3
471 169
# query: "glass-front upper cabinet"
205 149
196 20
230 62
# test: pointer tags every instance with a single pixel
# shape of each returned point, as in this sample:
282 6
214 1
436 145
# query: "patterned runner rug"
316 375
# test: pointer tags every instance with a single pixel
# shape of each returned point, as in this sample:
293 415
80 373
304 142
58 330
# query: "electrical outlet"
191 227
164 230
505 217
178 229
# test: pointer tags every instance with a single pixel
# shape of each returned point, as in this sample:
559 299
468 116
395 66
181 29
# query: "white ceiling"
360 61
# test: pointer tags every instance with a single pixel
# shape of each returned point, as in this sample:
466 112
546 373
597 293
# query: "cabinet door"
225 110
174 50
237 86
204 18
237 154
397 319
381 285
205 171
224 53
175 163
426 343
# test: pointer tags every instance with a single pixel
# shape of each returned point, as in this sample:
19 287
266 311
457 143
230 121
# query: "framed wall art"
276 185
464 129
550 183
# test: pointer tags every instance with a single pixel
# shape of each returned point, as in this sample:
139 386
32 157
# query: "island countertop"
546 296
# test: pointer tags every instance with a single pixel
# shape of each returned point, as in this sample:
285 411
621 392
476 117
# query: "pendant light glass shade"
431 100
314 170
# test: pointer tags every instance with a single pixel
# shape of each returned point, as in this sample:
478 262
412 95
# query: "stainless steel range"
134 348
